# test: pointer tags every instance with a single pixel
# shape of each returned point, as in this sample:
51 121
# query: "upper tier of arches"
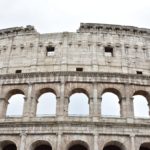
79 100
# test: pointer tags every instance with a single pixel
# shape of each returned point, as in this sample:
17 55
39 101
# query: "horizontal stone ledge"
84 122
43 77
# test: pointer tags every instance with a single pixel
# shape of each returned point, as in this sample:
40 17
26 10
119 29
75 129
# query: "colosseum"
96 60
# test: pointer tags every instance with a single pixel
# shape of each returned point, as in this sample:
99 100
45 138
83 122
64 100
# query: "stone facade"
95 59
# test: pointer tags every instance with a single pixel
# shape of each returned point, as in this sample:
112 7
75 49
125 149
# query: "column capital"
100 98
59 133
131 98
132 135
95 134
23 133
123 98
2 98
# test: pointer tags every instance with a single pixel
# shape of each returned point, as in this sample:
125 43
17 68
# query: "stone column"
96 141
3 104
66 105
129 102
123 107
33 106
100 102
3 107
59 145
96 111
28 105
132 136
23 141
58 106
60 103
91 107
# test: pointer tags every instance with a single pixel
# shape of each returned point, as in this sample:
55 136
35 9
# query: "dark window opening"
108 51
78 147
79 69
10 147
139 72
111 147
43 147
50 50
18 71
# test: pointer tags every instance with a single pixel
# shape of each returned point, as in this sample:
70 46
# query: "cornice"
104 77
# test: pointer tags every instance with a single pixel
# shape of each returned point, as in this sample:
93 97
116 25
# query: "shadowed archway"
145 146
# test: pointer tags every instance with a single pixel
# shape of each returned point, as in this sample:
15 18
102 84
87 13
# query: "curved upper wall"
94 47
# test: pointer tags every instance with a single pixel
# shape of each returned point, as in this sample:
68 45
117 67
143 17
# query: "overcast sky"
66 15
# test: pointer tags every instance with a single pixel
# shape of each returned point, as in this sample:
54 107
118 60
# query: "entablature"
88 77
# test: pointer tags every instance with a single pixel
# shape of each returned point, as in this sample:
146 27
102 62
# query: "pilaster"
23 141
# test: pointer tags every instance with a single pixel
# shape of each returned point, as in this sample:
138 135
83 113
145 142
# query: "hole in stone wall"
18 71
108 51
10 147
79 69
110 105
78 105
46 104
140 104
15 105
50 50
139 72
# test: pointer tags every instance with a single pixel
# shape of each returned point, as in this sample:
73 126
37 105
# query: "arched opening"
78 104
8 145
111 147
140 105
78 145
46 104
41 145
110 105
145 146
15 103
114 145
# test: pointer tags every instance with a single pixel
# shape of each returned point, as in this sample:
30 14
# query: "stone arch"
15 98
143 93
78 102
40 144
82 145
46 98
111 100
44 90
79 90
114 145
112 90
145 146
40 88
85 88
141 101
13 92
8 145
8 91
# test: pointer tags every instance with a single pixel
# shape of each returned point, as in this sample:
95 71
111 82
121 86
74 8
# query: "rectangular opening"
79 69
50 50
18 71
108 51
139 72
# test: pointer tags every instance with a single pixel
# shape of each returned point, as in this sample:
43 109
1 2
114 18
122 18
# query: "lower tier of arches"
73 142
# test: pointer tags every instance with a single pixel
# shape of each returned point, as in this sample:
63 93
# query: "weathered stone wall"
25 49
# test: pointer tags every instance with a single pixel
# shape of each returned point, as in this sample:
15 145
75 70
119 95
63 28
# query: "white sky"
66 15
